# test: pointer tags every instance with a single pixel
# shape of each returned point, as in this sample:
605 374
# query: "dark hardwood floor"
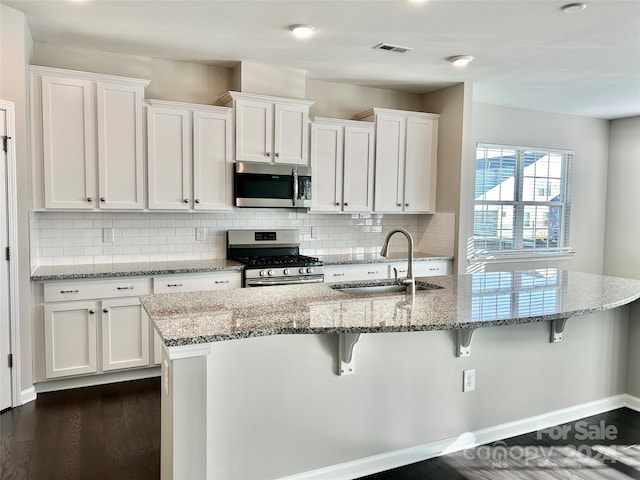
104 432
113 432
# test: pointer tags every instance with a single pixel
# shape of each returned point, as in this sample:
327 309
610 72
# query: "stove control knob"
270 273
302 270
287 271
263 273
309 270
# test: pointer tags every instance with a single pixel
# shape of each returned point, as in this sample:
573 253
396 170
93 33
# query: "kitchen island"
270 407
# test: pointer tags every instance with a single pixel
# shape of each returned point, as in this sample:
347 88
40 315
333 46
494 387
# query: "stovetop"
264 261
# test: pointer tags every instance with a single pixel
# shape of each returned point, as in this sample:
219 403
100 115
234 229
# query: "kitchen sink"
378 287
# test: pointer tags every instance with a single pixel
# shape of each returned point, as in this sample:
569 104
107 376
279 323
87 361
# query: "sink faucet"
409 282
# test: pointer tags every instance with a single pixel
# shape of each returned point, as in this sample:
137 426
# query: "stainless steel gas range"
272 257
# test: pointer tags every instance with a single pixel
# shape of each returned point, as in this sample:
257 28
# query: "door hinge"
5 141
7 253
10 360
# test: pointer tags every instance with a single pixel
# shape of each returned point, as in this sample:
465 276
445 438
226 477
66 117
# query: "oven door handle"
294 176
280 281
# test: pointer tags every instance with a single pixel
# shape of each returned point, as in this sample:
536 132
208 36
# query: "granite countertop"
360 258
463 302
101 270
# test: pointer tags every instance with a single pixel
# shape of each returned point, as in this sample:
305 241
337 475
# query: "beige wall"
15 54
268 80
622 254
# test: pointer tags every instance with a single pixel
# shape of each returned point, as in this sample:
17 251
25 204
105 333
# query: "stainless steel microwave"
261 185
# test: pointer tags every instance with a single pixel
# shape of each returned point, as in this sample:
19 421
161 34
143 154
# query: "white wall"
15 54
622 252
588 138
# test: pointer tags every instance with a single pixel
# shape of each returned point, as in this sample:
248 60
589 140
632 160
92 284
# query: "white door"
254 131
291 134
211 153
358 169
5 330
169 158
420 171
125 334
326 161
390 155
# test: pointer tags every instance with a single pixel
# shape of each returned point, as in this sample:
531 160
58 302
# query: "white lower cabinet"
429 268
70 339
379 271
125 334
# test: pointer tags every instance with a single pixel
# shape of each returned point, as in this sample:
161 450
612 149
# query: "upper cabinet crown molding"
371 112
94 77
190 106
231 95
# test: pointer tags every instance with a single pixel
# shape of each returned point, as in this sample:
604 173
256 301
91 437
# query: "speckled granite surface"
68 272
356 258
465 301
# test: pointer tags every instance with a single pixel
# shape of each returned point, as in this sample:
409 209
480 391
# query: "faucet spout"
408 281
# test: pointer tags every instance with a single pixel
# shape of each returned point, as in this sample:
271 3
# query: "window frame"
519 252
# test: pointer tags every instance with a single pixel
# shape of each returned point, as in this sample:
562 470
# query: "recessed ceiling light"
573 7
460 60
302 31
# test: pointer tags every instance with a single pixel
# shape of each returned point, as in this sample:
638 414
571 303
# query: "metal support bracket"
557 329
346 344
464 341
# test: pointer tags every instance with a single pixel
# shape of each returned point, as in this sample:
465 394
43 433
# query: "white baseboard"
632 402
386 461
28 395
100 379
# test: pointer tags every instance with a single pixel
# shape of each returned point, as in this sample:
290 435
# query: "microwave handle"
294 176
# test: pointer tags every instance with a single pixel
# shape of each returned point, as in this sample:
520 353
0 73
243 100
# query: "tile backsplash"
64 238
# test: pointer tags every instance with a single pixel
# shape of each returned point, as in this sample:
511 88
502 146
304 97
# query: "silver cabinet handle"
103 199
294 174
197 200
186 200
372 273
105 310
221 281
277 154
69 291
268 154
89 199
338 274
131 287
91 311
174 285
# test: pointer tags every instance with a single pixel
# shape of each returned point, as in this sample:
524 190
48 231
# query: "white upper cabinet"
270 129
406 160
342 163
189 151
88 131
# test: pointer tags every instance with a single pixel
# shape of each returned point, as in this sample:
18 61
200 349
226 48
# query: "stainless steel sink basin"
378 287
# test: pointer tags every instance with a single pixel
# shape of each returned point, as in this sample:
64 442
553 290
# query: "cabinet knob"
406 204
91 311
105 310
103 199
277 154
89 199
398 204
197 200
337 204
186 200
346 204
268 154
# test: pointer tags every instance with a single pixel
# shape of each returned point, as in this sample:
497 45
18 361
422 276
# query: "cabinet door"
420 166
70 339
390 153
291 129
125 334
211 152
68 143
346 273
358 169
326 161
254 130
169 158
120 160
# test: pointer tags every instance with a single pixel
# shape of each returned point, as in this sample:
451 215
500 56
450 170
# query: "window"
521 200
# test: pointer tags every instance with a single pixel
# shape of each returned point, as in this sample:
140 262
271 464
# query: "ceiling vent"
392 48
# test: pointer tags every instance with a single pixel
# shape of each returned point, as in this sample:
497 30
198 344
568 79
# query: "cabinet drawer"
429 268
196 282
89 289
345 273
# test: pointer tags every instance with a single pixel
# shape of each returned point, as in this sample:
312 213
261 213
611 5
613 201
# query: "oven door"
257 185
271 281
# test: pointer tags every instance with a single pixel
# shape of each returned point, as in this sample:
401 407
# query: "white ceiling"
528 53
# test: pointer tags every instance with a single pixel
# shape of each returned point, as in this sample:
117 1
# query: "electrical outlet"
201 234
468 380
314 233
107 235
